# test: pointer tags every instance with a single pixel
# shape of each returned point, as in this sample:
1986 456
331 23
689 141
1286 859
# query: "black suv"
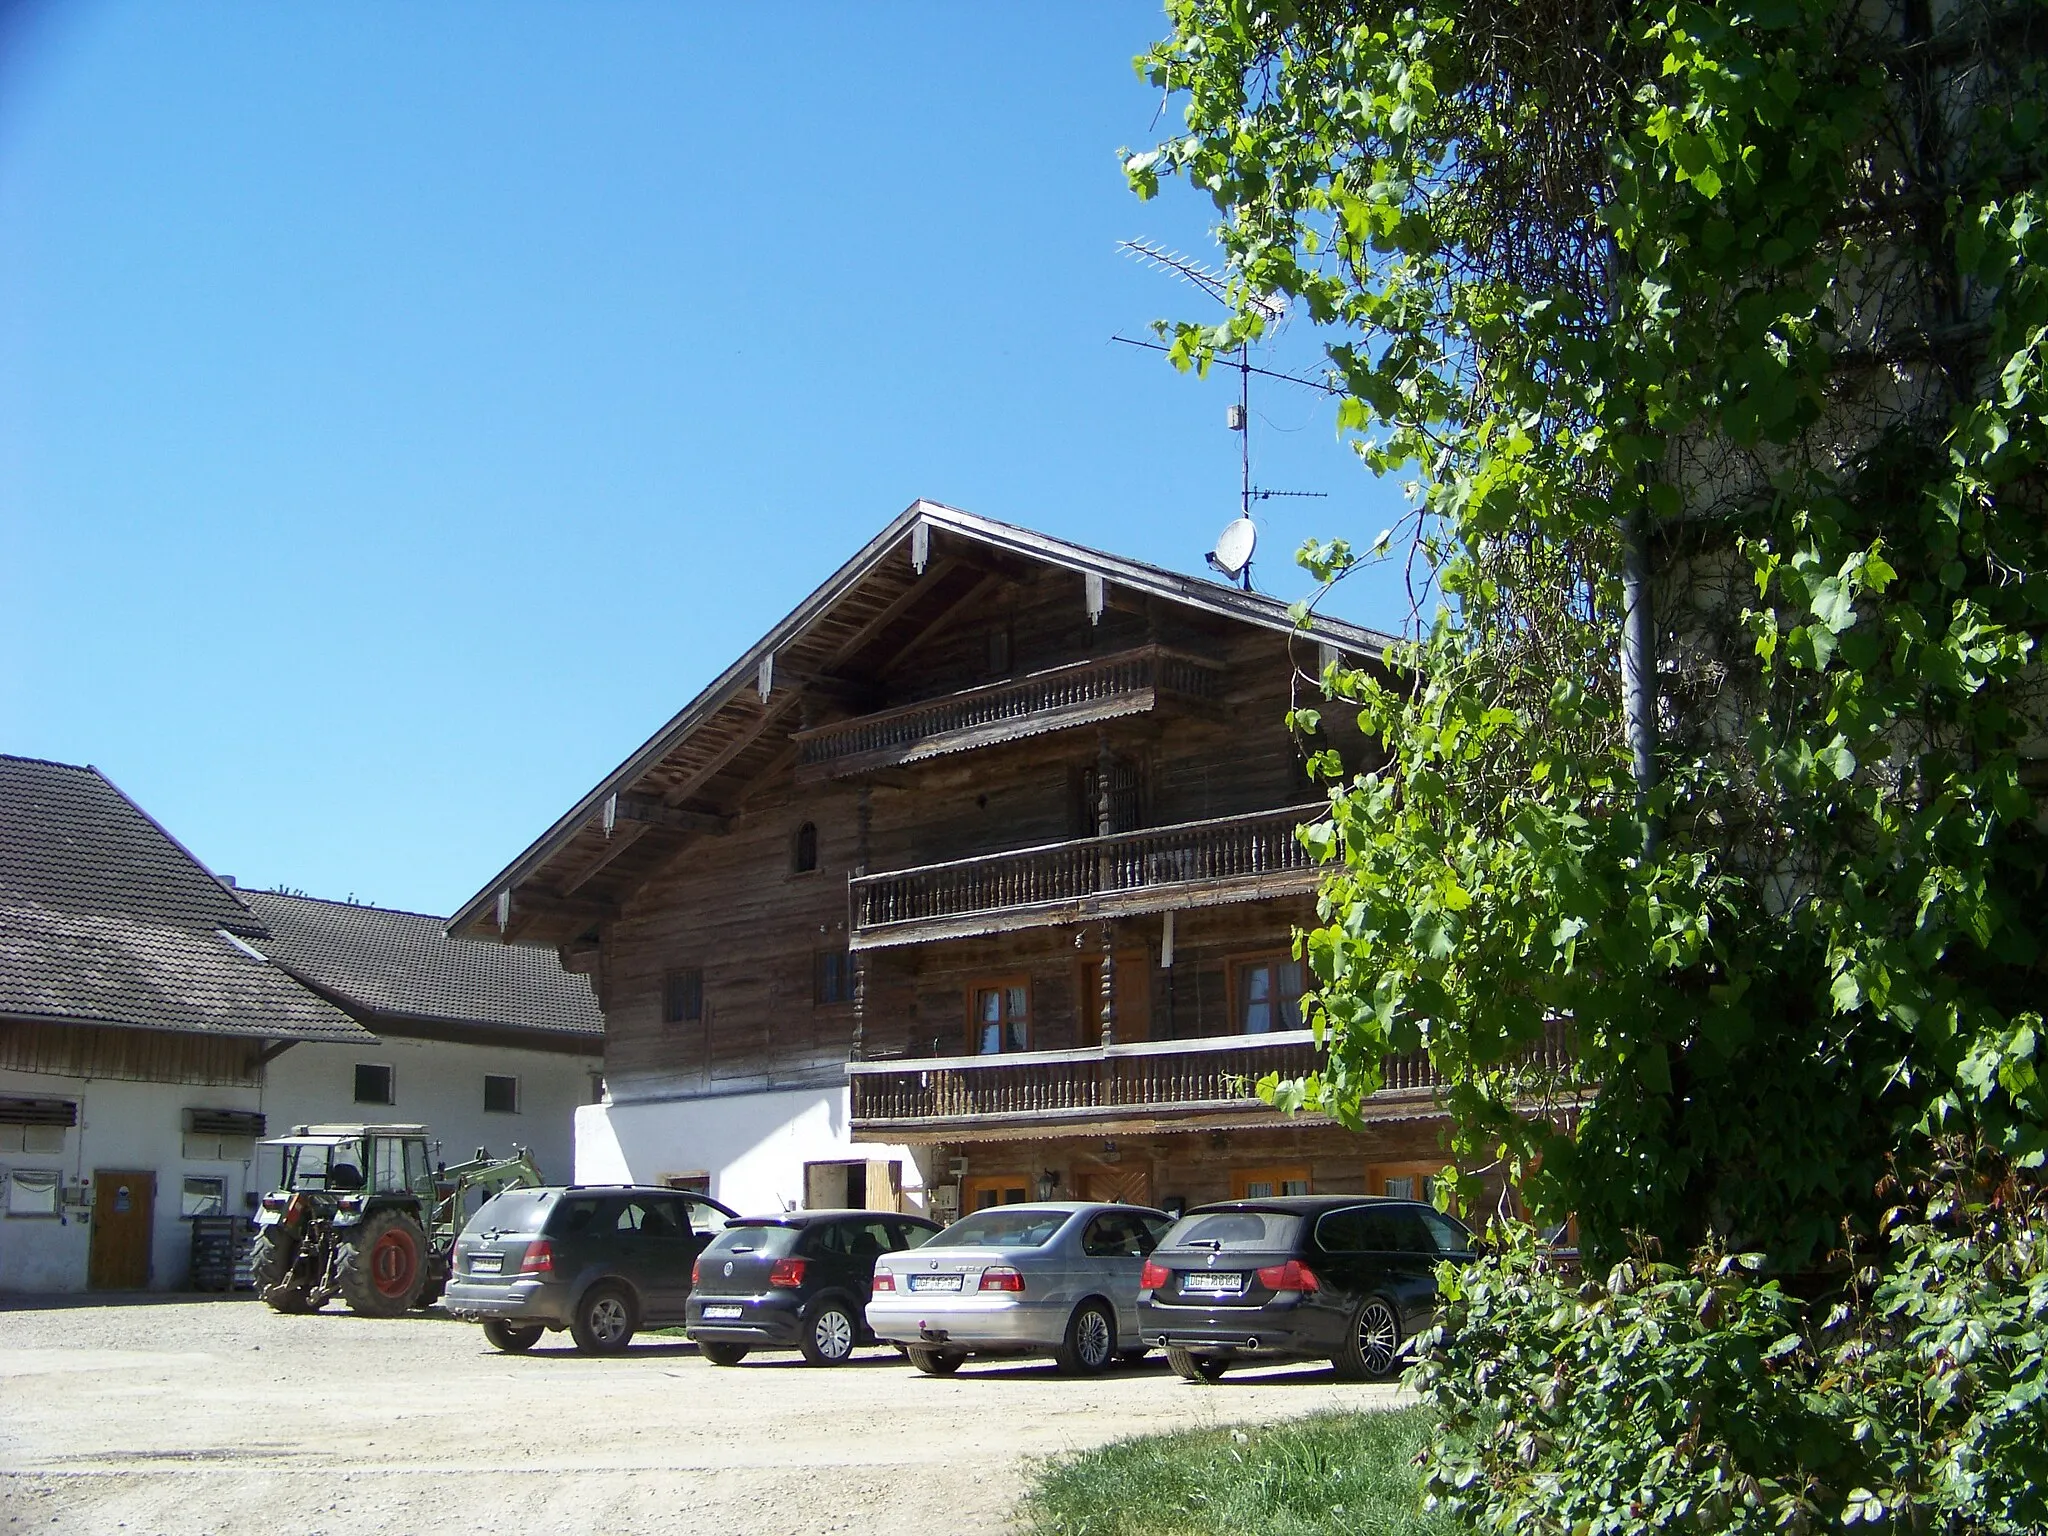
1346 1278
602 1260
794 1282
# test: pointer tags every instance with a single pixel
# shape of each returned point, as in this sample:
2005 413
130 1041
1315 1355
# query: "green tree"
1745 301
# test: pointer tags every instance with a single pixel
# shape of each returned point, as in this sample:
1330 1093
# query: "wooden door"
1128 1182
123 1212
1133 998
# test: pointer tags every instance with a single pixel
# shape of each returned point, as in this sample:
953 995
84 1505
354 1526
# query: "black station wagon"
602 1261
1346 1278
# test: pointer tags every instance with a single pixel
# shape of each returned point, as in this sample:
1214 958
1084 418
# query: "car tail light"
1000 1279
787 1273
1291 1276
540 1258
696 1273
1153 1277
884 1281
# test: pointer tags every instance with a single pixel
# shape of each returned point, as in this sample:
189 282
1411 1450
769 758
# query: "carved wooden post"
1105 772
858 958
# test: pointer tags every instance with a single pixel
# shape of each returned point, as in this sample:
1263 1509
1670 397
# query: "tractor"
360 1215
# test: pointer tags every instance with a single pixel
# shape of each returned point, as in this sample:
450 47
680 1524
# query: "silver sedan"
1056 1278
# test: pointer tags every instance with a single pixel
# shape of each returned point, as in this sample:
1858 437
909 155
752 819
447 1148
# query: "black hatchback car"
800 1281
601 1260
1346 1278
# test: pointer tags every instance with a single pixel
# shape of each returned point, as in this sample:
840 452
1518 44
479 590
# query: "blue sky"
404 410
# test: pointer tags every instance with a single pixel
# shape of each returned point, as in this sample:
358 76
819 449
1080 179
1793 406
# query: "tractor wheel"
382 1267
512 1338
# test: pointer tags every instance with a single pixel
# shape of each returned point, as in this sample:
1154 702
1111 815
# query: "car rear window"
1002 1226
1234 1231
768 1240
516 1210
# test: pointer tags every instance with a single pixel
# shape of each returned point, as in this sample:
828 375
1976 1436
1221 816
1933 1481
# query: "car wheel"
934 1362
1372 1349
1090 1343
1193 1367
722 1354
512 1338
603 1324
828 1333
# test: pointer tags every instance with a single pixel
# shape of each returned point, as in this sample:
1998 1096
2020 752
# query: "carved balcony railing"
1191 864
1214 1077
1084 693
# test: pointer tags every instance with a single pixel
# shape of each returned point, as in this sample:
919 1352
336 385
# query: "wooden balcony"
1084 693
1210 1081
1191 864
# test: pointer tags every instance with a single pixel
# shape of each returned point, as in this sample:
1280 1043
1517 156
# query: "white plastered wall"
440 1085
122 1126
140 1127
754 1146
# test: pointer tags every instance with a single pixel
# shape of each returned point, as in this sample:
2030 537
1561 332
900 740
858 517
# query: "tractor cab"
356 1160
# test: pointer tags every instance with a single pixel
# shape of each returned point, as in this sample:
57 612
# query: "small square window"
373 1084
204 1197
832 978
501 1095
682 997
33 1191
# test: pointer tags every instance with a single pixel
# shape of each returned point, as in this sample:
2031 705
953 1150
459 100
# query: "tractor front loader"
360 1215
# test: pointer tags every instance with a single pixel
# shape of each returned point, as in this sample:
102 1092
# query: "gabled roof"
106 919
927 561
396 969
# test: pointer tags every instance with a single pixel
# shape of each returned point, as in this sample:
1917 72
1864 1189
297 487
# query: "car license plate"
718 1313
487 1264
935 1282
1212 1284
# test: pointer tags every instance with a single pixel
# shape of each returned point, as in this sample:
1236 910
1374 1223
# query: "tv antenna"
1232 555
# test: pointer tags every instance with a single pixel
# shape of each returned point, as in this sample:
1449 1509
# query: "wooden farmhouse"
973 881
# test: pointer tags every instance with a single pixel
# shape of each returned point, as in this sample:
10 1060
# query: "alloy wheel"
1379 1336
608 1320
1094 1341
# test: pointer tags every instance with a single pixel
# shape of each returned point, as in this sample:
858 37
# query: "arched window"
804 858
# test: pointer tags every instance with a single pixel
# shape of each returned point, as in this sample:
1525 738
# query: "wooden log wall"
131 1055
732 906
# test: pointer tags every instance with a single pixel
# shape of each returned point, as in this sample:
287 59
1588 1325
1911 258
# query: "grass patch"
1332 1472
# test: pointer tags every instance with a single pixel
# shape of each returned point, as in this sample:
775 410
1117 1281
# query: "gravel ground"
183 1416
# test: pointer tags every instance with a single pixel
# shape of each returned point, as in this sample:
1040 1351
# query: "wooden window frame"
983 984
1234 969
974 1184
798 869
820 964
1279 1177
675 1012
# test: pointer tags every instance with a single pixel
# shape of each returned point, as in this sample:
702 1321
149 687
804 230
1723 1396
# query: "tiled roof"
404 965
106 919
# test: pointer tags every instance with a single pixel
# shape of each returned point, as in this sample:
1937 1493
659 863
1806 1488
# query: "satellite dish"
1234 547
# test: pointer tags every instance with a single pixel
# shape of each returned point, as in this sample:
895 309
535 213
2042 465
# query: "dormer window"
804 854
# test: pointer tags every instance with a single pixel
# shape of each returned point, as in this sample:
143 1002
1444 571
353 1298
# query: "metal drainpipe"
1639 667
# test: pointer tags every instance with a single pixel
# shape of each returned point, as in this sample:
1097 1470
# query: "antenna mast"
1236 546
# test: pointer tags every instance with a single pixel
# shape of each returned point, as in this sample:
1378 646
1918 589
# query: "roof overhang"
919 544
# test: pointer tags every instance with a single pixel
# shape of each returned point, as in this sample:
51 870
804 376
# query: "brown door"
123 1210
1130 1183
